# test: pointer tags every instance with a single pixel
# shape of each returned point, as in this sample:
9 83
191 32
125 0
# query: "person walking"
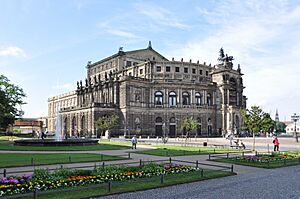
276 143
134 141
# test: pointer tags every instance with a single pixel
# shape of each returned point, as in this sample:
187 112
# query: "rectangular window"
206 73
200 72
168 68
186 70
158 68
194 70
141 71
128 63
177 69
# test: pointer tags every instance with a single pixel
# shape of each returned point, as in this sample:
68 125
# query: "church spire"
276 116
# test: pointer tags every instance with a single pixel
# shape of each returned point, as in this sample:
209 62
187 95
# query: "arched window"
209 127
233 96
209 102
199 127
185 98
198 99
158 98
82 124
172 98
158 126
158 120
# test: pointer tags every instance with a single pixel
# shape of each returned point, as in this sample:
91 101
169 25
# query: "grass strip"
171 150
9 146
267 165
27 159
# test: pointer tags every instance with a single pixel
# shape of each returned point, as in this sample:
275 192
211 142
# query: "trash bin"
204 143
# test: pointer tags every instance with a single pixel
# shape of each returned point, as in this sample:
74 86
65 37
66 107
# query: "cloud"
64 86
263 38
160 15
122 33
12 51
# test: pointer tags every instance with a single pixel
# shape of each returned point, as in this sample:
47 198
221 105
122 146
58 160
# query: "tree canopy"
189 124
255 119
106 122
11 99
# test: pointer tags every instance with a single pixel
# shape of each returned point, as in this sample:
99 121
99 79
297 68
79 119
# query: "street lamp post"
295 118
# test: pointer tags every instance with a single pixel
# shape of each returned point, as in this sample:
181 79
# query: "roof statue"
224 58
149 45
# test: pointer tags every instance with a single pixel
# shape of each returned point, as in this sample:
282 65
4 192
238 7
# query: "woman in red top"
276 144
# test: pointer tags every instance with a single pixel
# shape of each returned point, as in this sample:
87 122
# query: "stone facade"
151 95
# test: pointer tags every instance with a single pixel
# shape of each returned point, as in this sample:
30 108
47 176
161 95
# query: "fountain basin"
52 142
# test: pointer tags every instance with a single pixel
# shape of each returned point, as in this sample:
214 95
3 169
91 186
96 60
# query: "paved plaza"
251 182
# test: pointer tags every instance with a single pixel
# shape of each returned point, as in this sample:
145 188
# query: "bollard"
35 192
208 156
4 172
161 178
95 166
31 161
268 163
109 185
199 150
227 155
128 155
61 166
70 159
231 168
197 164
140 162
35 196
103 165
170 160
202 173
214 150
243 153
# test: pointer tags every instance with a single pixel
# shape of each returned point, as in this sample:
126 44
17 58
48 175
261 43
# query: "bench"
237 146
219 146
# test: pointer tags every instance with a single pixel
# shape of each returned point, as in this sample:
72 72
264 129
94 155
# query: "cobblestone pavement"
276 184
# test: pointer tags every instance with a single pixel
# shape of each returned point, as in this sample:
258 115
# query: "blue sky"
45 45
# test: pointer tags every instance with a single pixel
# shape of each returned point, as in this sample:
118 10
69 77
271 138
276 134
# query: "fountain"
58 127
58 141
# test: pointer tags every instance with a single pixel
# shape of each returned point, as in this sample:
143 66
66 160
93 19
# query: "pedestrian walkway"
274 183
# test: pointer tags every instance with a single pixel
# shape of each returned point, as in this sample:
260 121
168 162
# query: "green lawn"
20 159
172 150
266 165
103 145
131 185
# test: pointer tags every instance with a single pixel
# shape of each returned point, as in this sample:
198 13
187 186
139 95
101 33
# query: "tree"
11 99
106 123
267 123
280 127
255 120
221 55
189 124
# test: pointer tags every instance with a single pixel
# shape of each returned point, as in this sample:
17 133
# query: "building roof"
121 53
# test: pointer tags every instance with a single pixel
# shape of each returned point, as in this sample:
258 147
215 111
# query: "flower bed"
43 180
269 158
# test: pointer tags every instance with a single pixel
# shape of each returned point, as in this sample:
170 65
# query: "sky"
46 44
